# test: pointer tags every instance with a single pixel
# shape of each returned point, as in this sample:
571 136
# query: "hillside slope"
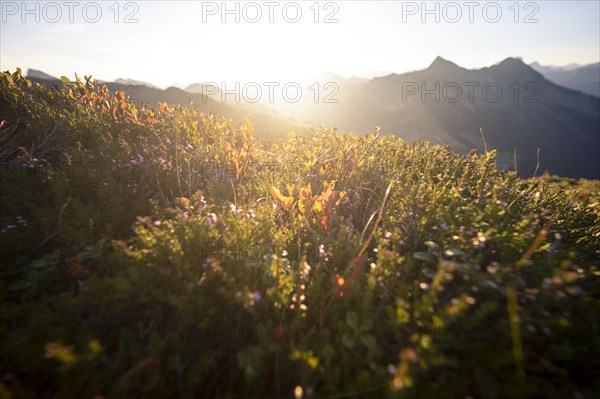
517 108
160 252
584 78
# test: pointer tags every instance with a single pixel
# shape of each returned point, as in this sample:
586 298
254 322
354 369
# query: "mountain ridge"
517 107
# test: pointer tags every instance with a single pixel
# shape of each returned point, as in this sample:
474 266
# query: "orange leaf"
286 202
76 268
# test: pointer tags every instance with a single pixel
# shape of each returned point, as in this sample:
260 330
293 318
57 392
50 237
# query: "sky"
201 41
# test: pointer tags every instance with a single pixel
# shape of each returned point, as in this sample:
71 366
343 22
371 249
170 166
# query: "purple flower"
184 216
257 296
210 219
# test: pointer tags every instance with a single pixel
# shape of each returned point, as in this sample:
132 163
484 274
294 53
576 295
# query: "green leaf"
348 341
516 280
423 256
453 251
369 341
464 269
352 320
366 325
21 285
65 80
432 246
40 264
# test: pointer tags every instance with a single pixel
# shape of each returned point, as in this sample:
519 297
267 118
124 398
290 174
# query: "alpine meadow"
185 241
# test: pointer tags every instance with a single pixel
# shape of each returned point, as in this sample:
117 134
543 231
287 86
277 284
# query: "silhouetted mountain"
135 82
195 88
342 82
517 108
585 79
34 74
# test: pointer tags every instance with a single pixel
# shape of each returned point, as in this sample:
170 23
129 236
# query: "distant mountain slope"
585 79
266 122
129 81
516 107
34 74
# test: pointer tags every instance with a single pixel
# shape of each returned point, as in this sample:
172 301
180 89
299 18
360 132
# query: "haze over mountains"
584 78
517 108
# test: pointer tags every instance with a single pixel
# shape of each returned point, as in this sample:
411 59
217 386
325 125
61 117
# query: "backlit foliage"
165 253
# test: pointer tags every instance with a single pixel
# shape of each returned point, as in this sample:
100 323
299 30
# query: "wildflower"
210 219
409 354
257 296
298 392
305 270
493 267
61 352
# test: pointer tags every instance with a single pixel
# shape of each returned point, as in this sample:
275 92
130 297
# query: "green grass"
164 253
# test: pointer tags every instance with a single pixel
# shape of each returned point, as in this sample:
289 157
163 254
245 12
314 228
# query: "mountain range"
534 124
510 105
584 78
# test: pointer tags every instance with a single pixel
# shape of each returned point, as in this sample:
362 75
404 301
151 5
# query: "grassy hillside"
166 253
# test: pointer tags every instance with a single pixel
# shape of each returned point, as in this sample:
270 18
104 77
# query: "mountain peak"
511 61
36 74
133 82
441 63
516 67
